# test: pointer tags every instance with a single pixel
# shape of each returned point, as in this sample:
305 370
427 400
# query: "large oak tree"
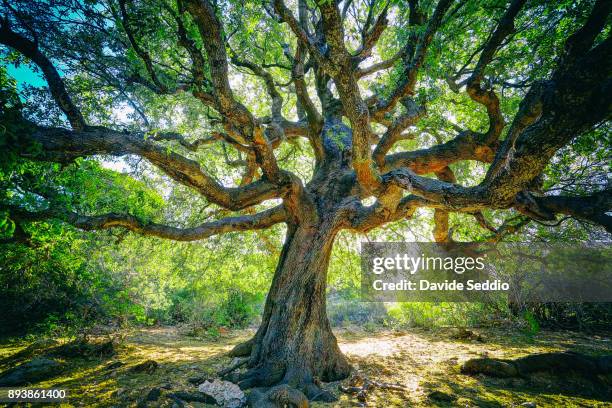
366 84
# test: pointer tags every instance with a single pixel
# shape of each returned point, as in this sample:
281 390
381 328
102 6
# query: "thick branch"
593 208
257 221
488 98
301 90
572 103
393 133
63 145
406 85
211 32
287 16
56 85
198 65
466 146
192 146
364 219
355 108
582 40
441 231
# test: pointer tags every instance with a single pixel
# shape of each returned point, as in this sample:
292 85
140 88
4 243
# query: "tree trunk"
295 344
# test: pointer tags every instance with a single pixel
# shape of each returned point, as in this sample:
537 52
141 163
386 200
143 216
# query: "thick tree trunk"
295 344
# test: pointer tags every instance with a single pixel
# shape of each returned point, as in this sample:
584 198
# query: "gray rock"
154 394
148 367
225 393
489 366
35 370
189 396
114 365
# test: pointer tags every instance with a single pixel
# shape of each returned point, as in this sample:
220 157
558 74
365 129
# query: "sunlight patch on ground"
421 361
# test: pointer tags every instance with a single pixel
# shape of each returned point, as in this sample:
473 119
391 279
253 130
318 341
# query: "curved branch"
393 133
363 72
466 146
142 53
488 98
211 31
406 86
31 50
63 145
370 38
256 221
277 100
594 208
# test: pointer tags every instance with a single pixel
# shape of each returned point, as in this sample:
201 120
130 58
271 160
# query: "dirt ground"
425 363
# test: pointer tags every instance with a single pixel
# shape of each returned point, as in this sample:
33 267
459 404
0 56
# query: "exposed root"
361 386
236 363
262 376
315 392
283 395
554 362
242 349
278 397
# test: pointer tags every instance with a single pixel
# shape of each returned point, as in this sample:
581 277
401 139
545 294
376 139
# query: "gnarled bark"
295 344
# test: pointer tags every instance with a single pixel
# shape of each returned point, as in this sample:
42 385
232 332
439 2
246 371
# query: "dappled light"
296 203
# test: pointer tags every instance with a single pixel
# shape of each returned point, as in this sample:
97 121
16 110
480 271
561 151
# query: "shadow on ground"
425 363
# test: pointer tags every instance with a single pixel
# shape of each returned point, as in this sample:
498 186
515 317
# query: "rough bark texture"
295 345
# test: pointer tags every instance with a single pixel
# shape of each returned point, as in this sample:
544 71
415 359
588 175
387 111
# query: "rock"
191 397
154 394
114 365
279 396
489 366
198 380
85 349
225 393
528 405
35 370
465 334
441 396
148 367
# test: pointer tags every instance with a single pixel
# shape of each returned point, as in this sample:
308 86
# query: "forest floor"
426 363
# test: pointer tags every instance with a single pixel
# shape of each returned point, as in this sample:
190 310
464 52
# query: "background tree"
327 116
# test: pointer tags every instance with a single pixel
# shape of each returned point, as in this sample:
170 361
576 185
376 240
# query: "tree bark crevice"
295 344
